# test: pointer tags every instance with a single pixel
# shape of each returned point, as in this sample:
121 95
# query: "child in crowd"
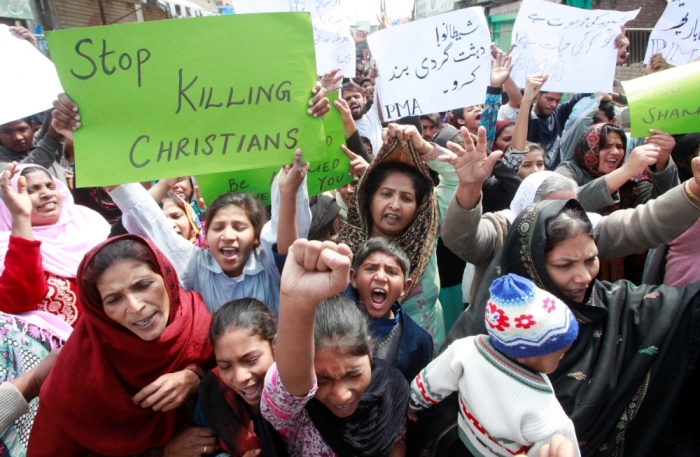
242 334
379 279
506 402
325 394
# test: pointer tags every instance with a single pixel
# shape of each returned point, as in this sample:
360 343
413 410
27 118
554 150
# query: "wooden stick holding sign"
193 96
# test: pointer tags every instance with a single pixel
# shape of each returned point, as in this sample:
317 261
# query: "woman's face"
231 238
183 189
46 198
611 154
135 296
342 379
504 139
348 190
572 265
532 163
393 206
243 359
177 218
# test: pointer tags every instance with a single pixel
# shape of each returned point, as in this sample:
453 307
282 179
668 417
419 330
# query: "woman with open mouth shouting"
131 362
607 184
43 238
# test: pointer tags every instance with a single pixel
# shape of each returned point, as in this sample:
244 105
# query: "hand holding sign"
291 176
65 116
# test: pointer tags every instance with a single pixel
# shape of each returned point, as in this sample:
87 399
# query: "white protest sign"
335 47
677 34
28 80
434 64
255 6
576 47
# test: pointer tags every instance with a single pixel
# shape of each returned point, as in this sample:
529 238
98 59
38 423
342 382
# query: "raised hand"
198 198
358 165
657 63
18 202
331 80
472 164
319 103
349 125
501 66
622 44
23 34
665 142
383 23
406 133
640 158
314 271
533 85
65 117
291 176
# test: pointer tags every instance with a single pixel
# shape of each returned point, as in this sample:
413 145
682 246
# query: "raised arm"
313 272
290 178
500 72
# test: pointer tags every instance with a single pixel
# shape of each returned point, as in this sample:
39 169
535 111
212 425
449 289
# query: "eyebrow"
350 371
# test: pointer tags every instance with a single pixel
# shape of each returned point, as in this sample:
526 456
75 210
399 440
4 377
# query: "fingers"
318 103
321 264
454 147
348 152
146 392
468 142
21 185
297 160
253 453
695 164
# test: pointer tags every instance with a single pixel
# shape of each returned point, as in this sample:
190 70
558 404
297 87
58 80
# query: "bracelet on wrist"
689 193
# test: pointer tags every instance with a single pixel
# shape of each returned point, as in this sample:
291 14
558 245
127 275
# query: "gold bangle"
689 193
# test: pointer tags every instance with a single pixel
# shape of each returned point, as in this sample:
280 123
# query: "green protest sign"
327 174
189 96
668 100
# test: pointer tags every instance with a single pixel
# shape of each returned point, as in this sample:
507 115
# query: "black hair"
251 205
608 129
421 185
385 246
120 251
243 314
433 117
607 107
175 199
350 86
411 120
570 223
341 327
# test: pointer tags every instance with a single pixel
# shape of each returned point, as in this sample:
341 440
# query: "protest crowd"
514 277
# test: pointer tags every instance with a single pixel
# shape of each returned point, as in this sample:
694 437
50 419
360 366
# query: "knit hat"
524 321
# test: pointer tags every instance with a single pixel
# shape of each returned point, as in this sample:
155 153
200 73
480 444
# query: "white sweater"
504 408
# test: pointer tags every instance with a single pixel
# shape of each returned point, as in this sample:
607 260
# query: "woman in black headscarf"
629 381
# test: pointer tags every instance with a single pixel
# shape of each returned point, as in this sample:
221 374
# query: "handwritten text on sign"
668 100
677 34
153 110
576 47
434 64
324 175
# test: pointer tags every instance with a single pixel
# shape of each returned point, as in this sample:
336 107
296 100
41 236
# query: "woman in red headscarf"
119 383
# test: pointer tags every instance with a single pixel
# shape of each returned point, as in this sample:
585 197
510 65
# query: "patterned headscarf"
587 157
419 237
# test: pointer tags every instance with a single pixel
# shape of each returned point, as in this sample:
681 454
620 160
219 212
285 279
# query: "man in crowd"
17 145
368 124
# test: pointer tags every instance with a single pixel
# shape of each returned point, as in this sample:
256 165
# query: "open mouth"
146 322
478 117
378 298
391 219
48 206
229 253
344 408
252 392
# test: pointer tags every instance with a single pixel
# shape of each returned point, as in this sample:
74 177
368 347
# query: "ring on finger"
205 450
